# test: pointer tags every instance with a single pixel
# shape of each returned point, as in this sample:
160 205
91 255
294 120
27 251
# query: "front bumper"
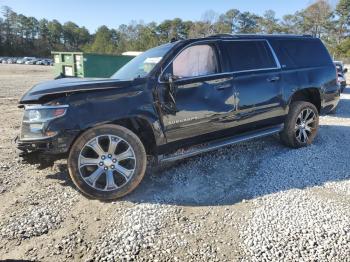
45 151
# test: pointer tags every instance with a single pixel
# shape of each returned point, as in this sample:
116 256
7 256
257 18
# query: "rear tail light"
336 75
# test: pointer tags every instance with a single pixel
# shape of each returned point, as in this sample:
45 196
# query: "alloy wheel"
107 162
305 125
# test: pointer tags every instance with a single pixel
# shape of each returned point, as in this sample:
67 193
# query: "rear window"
249 55
301 53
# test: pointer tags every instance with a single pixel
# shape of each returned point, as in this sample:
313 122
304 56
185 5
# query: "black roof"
245 36
252 36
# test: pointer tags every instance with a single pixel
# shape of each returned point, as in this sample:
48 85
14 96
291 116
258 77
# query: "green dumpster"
79 64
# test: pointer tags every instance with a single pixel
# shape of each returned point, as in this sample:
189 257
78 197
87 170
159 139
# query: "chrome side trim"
274 55
255 70
258 108
224 75
39 139
38 107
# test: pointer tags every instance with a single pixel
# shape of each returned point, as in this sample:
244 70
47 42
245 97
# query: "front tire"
301 125
107 162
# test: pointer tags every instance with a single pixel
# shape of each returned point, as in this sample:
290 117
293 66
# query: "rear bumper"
330 100
342 86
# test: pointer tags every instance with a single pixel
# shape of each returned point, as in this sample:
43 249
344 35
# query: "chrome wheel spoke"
307 114
301 138
113 143
299 135
86 161
300 117
127 154
94 145
95 176
126 173
305 136
310 121
308 129
110 184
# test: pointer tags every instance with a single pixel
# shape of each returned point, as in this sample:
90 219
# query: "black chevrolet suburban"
175 101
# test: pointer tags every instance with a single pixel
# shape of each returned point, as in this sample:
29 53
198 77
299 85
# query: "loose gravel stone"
301 205
125 237
43 212
297 225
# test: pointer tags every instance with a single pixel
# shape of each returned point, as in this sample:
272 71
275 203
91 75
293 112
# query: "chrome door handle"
273 79
222 87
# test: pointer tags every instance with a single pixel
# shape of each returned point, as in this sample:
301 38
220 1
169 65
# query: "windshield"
141 65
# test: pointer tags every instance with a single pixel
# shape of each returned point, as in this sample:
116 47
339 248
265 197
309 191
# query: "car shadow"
247 170
61 174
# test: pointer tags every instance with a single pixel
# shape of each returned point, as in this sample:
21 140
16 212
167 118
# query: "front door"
204 96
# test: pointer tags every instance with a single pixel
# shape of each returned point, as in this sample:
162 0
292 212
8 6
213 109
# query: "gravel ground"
256 201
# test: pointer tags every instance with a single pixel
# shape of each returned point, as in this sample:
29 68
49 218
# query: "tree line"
21 35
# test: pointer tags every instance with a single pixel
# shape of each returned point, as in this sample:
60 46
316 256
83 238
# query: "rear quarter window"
296 53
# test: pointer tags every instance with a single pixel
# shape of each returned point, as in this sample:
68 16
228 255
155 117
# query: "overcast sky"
92 13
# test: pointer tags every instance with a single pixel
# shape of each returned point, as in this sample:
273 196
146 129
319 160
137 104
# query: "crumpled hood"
69 85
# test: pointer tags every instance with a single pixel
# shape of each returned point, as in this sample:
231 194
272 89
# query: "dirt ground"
255 201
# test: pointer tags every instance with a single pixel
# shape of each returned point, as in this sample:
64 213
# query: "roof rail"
222 35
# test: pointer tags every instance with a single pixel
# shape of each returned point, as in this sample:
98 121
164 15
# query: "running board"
216 144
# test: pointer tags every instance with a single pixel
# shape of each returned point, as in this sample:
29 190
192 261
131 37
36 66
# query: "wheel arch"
140 125
312 95
142 128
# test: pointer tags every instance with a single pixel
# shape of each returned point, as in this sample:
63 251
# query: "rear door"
256 79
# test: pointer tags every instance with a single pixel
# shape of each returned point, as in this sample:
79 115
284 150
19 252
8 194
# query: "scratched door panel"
258 98
204 104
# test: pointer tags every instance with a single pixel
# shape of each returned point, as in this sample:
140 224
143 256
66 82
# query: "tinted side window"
249 55
301 53
198 60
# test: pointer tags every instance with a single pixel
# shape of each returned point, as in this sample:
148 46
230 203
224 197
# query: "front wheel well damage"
311 95
137 125
142 129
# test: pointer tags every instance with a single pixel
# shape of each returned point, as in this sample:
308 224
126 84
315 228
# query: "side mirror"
170 77
172 90
345 70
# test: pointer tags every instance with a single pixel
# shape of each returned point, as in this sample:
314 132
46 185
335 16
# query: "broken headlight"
36 119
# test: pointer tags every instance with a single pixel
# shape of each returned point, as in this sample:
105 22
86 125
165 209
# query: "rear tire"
107 162
301 125
342 88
